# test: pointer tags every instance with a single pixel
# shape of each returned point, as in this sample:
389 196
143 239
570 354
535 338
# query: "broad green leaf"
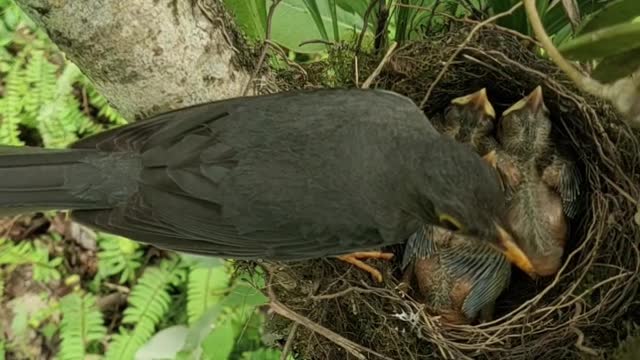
556 22
164 345
293 24
250 15
603 43
220 342
240 295
314 11
613 13
516 21
616 67
333 10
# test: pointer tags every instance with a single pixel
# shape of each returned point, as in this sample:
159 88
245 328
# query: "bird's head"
525 127
470 117
457 190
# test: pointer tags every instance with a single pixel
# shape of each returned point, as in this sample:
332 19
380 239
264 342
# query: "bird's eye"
450 223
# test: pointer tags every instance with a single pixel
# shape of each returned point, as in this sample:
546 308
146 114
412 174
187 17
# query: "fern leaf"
44 269
118 255
104 109
11 104
60 119
205 287
81 324
148 303
40 76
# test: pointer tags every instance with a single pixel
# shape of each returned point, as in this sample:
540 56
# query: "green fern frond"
148 303
205 287
81 324
11 104
60 119
101 103
118 255
40 76
44 269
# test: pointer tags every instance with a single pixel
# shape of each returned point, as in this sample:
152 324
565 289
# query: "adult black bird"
288 176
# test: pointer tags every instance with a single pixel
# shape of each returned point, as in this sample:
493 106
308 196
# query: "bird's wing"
487 270
419 245
563 175
185 186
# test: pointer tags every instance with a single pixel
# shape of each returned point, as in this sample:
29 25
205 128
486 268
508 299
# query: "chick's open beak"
534 102
513 252
477 100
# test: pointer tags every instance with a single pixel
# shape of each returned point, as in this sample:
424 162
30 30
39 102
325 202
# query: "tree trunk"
147 56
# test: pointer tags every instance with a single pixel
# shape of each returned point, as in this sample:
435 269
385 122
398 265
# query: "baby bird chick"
539 198
455 277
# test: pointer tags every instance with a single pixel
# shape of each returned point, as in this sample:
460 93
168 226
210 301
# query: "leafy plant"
118 256
611 36
81 324
26 253
148 302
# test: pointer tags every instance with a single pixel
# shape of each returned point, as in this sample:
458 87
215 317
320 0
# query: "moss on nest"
572 315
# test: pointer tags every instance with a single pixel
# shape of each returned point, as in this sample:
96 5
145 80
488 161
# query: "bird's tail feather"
34 179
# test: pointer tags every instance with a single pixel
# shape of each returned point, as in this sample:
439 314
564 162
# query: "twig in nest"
265 48
351 347
289 343
378 69
317 41
461 46
283 54
580 341
341 293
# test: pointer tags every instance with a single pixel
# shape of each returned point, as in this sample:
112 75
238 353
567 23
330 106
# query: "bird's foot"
356 258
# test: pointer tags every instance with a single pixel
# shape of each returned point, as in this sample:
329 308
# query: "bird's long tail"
34 179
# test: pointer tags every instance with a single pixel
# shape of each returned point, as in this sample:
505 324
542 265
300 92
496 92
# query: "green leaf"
220 342
264 354
250 15
333 9
164 345
618 66
603 43
118 255
293 14
81 324
149 303
613 13
312 7
241 294
516 21
206 286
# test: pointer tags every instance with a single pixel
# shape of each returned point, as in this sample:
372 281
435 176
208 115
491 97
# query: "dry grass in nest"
574 314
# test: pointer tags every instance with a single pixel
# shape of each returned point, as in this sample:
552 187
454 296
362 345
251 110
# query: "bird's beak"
534 102
478 100
513 252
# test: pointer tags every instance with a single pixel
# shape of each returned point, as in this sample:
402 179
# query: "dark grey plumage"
286 176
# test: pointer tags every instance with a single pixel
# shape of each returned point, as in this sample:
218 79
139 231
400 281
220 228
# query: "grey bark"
147 56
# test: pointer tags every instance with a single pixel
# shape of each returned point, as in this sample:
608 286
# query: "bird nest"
338 312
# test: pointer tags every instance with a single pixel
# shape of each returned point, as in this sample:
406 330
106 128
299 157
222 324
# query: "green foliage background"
182 307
